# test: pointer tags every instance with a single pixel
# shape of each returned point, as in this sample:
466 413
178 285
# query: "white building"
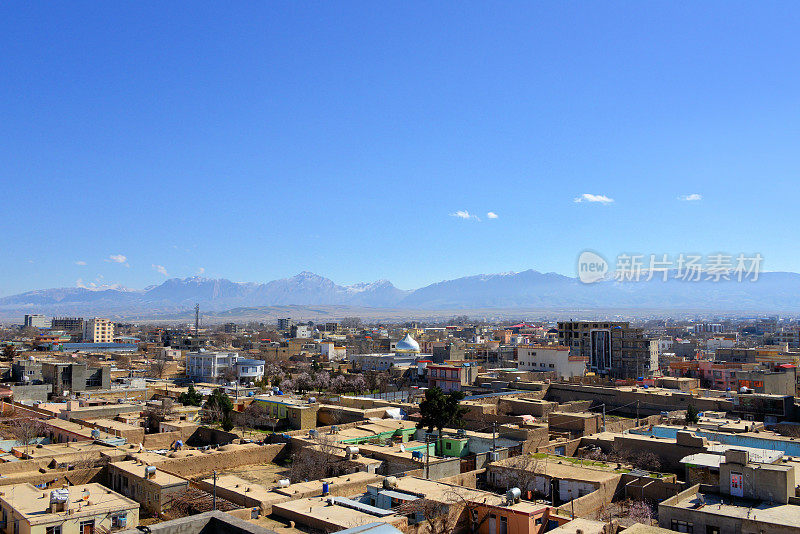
554 358
331 351
209 366
36 320
301 331
406 353
249 370
98 330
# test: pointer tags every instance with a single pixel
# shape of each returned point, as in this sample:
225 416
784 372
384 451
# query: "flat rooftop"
714 504
136 469
33 503
317 509
60 449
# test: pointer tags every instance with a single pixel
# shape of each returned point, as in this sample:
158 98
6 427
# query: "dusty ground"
264 474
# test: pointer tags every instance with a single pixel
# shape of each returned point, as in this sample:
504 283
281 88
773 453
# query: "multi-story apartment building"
36 320
769 354
708 328
554 358
790 337
69 325
98 330
452 377
613 348
209 366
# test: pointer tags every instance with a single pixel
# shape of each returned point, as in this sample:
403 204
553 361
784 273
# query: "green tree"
9 351
692 415
191 397
440 410
218 406
227 423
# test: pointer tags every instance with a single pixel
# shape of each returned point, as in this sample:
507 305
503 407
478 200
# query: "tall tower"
197 319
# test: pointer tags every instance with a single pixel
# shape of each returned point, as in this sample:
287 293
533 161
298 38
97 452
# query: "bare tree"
27 430
317 460
522 471
229 374
155 415
439 518
158 367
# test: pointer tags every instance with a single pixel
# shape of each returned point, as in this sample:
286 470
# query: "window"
503 525
55 529
447 445
119 520
682 526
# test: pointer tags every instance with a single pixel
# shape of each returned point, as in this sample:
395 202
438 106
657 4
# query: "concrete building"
36 320
209 366
292 413
751 497
75 377
285 323
69 325
789 337
302 331
98 330
81 509
249 370
145 484
770 354
554 358
381 362
612 348
454 377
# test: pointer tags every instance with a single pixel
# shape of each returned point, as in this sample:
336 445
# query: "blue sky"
256 140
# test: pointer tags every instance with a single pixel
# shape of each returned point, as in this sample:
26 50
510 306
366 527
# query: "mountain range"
772 292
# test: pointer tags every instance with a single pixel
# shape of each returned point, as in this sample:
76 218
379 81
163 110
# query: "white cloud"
118 258
588 197
161 269
464 214
491 215
690 198
80 262
201 270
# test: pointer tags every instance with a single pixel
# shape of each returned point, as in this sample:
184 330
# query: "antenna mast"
197 319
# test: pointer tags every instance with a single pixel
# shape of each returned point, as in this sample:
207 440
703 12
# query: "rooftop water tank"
513 495
59 495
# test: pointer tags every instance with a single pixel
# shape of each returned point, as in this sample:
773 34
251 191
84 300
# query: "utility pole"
215 491
604 417
637 413
494 424
427 456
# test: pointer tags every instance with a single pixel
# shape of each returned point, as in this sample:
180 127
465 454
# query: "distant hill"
773 292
